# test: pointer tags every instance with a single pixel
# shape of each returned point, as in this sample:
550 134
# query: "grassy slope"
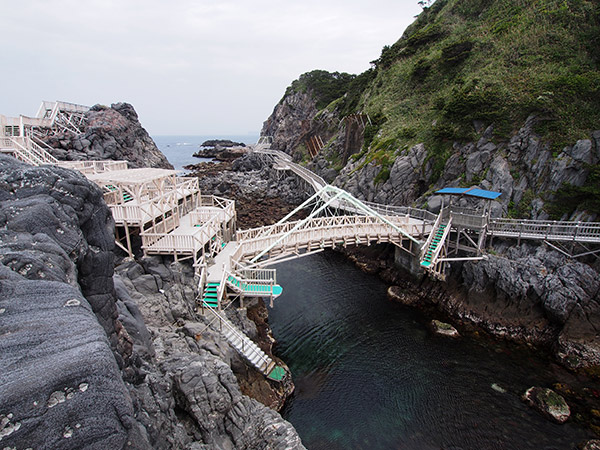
490 60
495 61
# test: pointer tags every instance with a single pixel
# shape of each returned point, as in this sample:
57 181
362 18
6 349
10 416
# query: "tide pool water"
369 374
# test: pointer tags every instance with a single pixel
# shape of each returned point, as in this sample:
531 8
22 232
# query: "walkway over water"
454 229
171 217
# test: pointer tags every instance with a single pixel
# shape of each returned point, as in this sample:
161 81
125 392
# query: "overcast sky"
193 67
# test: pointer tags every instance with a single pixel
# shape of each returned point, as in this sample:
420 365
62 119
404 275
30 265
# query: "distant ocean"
179 149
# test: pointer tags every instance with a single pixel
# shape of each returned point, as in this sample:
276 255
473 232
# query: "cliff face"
523 169
110 133
63 347
97 359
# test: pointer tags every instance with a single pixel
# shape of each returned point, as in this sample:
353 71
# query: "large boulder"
548 403
110 133
60 385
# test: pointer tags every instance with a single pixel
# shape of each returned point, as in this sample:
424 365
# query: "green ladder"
433 246
209 298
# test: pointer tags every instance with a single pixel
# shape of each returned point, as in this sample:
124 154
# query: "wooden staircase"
247 348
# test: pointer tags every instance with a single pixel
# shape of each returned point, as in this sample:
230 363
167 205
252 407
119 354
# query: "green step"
425 263
277 373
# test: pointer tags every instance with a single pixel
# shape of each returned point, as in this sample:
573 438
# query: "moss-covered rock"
548 403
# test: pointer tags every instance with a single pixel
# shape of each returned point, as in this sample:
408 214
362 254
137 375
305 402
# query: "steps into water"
433 246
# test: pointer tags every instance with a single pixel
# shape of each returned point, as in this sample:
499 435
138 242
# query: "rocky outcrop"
110 133
262 197
523 169
291 121
60 386
443 329
94 359
548 403
407 180
63 349
531 287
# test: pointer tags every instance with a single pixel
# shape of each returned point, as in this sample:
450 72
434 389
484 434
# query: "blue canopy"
473 192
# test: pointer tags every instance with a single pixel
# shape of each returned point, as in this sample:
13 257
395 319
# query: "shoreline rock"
443 329
111 133
548 403
117 357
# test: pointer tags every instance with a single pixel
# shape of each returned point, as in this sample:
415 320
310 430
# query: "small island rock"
444 329
548 403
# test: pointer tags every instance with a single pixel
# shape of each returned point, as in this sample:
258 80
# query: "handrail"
28 151
539 229
242 337
202 281
221 287
438 249
436 225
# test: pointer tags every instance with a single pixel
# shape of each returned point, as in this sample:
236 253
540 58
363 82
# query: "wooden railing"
321 232
440 245
247 348
435 226
25 149
154 203
210 206
159 239
91 167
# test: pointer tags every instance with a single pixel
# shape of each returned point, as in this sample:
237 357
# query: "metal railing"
539 229
249 348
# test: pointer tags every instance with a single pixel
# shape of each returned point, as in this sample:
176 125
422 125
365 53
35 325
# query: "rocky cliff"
110 133
442 109
97 359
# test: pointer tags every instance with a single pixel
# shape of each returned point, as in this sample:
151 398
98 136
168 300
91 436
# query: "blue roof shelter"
471 192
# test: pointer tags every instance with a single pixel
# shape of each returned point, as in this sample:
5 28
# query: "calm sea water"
179 149
369 374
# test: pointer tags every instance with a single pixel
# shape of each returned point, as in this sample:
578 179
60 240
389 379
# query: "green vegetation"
494 61
325 86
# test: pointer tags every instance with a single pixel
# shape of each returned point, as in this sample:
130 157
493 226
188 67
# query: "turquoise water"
369 374
179 149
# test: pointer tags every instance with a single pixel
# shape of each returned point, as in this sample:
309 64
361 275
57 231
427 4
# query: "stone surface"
443 329
59 382
541 289
548 403
110 133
